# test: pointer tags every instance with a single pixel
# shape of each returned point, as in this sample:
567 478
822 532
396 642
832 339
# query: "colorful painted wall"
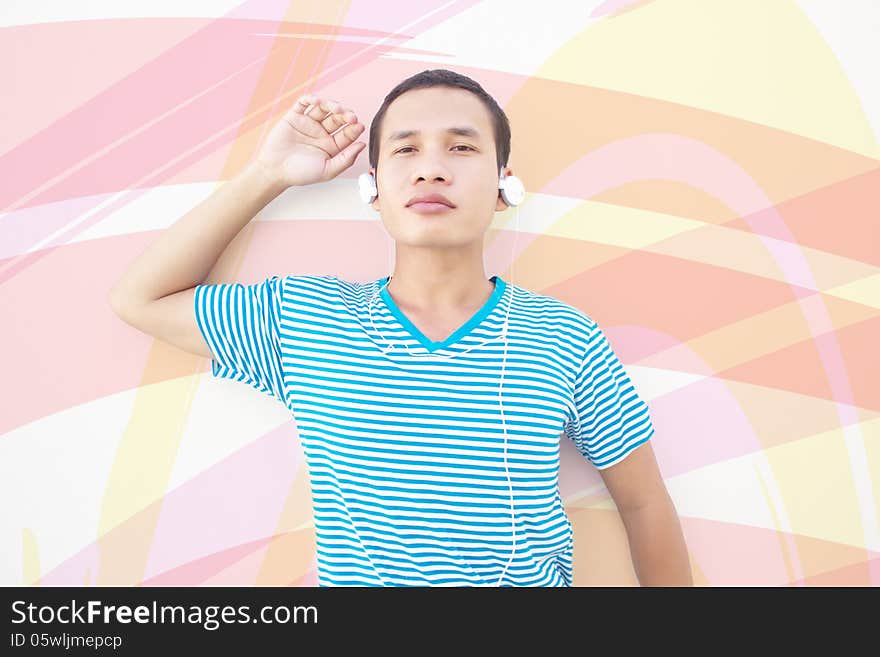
704 181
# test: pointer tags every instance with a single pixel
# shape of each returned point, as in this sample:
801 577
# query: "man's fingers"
331 114
306 126
322 117
339 118
313 107
333 122
319 111
344 159
303 102
323 108
346 135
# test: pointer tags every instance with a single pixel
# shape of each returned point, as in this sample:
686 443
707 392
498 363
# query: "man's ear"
375 203
500 205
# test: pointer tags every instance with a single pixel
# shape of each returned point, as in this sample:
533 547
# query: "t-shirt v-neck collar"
457 335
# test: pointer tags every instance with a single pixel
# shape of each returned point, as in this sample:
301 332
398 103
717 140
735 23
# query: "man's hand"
313 142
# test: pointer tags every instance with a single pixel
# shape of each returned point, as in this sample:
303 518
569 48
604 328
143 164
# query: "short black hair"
441 77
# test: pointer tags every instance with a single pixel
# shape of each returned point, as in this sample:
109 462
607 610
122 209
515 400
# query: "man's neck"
426 289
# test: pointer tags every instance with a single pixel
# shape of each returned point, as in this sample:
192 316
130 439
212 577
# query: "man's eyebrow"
463 131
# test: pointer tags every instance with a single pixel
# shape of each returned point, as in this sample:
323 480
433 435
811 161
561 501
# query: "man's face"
461 167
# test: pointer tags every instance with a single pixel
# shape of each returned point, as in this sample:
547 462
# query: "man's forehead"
459 130
459 109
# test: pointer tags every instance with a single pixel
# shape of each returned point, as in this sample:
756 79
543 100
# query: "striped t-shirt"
405 451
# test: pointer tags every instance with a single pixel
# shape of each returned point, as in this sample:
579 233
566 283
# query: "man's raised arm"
313 142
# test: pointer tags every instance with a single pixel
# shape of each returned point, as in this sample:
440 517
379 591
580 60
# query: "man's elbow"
118 305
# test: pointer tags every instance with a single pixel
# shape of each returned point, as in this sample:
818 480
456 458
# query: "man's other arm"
656 541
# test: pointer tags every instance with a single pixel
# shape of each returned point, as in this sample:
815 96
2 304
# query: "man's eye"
401 150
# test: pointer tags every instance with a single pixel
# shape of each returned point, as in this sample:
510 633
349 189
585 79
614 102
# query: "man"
430 402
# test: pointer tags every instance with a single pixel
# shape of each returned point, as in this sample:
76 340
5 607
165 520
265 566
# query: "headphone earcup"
512 190
367 188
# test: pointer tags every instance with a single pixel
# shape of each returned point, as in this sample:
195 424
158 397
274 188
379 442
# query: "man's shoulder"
325 288
572 329
546 307
309 289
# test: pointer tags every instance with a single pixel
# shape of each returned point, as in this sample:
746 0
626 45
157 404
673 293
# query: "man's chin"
438 239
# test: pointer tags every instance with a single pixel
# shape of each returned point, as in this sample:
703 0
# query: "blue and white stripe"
406 451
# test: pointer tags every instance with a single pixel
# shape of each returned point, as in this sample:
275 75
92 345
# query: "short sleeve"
608 419
241 325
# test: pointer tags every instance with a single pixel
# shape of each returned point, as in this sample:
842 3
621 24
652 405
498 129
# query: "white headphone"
513 193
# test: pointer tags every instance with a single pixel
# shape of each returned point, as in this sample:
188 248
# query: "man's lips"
430 198
429 207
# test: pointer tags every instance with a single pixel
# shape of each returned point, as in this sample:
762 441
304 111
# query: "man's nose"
431 167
